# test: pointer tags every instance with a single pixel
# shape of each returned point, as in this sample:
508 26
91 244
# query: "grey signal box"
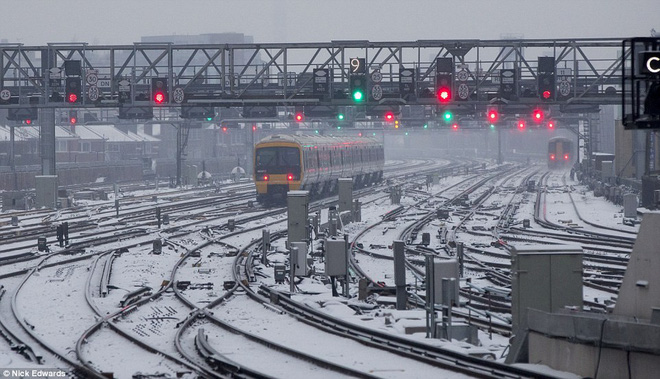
298 208
300 260
335 257
447 269
544 277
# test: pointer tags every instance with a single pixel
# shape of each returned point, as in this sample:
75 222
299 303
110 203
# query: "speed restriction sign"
178 95
463 91
5 95
93 93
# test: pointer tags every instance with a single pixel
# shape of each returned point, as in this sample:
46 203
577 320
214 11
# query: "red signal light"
224 128
73 120
254 128
546 94
537 115
299 117
551 124
454 126
289 177
72 98
266 177
389 116
565 157
28 121
492 116
444 95
521 124
552 157
159 97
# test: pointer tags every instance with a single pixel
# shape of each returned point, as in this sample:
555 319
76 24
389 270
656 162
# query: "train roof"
316 140
553 139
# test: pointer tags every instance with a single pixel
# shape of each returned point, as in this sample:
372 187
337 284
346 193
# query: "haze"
37 22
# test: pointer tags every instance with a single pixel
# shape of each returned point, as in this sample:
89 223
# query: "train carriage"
560 152
285 163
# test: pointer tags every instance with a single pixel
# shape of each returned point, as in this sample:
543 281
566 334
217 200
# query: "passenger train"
560 152
285 163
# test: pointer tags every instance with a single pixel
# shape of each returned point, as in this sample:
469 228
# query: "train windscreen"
278 160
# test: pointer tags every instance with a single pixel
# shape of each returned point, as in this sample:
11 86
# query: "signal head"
537 115
358 95
444 94
493 116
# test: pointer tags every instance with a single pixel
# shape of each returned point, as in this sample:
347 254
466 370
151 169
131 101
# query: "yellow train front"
285 163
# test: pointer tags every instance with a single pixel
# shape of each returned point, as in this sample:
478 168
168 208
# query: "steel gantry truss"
237 75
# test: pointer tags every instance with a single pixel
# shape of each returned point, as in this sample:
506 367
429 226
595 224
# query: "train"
285 162
560 152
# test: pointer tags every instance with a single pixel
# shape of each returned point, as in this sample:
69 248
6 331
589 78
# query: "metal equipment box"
335 257
46 191
298 207
544 277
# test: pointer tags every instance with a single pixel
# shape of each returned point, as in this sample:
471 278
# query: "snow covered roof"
86 132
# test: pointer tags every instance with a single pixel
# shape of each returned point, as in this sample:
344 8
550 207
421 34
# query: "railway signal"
358 87
72 89
159 94
447 116
537 115
73 117
493 116
443 83
444 78
546 81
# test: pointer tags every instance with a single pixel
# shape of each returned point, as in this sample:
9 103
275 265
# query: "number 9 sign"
357 66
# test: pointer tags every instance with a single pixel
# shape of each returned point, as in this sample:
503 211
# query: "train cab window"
278 160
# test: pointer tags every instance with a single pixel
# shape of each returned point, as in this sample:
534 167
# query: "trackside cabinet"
544 277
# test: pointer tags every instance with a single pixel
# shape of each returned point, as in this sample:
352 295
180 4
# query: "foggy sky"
37 22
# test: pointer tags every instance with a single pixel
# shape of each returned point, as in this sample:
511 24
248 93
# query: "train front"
277 170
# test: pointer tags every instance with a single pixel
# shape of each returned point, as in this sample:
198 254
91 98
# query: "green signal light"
406 133
209 119
447 116
340 116
316 131
373 134
338 127
492 126
358 96
426 126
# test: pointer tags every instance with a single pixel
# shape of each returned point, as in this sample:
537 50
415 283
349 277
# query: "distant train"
285 163
560 152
